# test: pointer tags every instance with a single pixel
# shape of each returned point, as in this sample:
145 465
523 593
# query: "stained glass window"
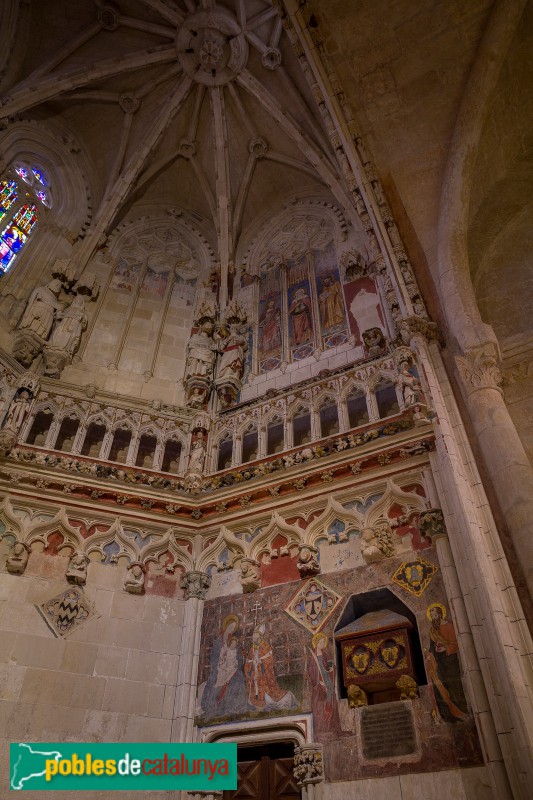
20 208
8 195
39 175
15 235
23 172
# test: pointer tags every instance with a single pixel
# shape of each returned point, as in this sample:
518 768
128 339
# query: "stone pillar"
195 585
433 527
505 458
309 770
500 635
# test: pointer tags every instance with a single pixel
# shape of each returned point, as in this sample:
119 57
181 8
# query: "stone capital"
432 525
479 368
415 325
195 584
308 764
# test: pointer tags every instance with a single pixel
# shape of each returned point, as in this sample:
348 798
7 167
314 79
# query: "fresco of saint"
443 668
331 303
320 671
270 327
301 314
263 689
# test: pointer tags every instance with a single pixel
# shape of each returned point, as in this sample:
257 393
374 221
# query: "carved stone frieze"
308 764
195 584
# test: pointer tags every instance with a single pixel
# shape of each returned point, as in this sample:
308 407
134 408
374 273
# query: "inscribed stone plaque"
388 731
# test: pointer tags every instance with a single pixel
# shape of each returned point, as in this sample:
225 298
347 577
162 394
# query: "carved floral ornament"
479 368
308 764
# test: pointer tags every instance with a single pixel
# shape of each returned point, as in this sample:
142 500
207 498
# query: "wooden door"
265 773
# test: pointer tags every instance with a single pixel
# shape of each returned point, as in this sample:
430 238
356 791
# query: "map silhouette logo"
28 762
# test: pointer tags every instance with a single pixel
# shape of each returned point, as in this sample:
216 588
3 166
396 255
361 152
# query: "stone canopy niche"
377 657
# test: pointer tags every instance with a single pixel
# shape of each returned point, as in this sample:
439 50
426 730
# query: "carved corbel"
17 558
250 575
308 564
377 542
77 569
308 764
134 579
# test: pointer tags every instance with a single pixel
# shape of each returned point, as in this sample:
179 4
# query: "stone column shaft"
503 452
473 677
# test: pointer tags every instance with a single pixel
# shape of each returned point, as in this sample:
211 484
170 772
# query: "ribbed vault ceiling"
197 106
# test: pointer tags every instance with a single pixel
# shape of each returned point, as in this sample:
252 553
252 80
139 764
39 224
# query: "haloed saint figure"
443 668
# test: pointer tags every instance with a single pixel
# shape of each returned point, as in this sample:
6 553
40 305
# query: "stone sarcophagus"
377 657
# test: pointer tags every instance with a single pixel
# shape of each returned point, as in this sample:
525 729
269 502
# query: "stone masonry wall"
112 679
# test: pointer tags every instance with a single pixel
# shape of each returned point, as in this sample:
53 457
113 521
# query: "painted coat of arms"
313 604
66 611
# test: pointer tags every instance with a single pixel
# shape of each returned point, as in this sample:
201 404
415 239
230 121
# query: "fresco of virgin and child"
225 689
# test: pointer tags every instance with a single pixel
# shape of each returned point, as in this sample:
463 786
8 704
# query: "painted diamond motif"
67 611
415 576
313 604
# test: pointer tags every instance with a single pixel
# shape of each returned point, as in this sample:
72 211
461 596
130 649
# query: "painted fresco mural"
270 316
300 308
155 282
126 275
364 307
330 297
304 305
259 660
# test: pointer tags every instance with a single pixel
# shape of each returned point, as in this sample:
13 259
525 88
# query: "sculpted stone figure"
77 569
409 386
18 410
134 580
201 352
197 456
232 347
41 309
71 322
374 342
17 558
408 687
36 323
